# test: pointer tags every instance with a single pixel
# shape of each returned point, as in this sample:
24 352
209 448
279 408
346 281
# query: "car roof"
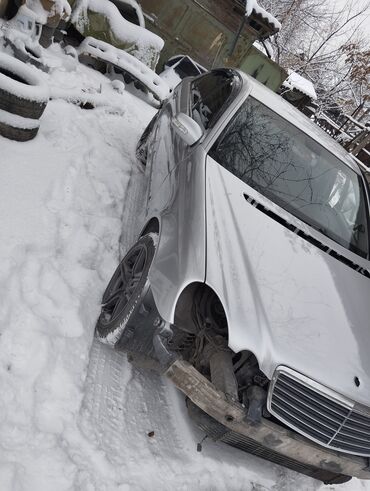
279 105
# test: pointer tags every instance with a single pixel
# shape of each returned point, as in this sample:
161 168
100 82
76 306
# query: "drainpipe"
232 49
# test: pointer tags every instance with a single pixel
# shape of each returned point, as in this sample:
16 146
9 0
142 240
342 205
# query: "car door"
165 151
202 98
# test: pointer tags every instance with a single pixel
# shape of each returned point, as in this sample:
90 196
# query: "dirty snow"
74 415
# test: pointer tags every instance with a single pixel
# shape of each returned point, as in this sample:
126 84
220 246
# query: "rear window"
293 170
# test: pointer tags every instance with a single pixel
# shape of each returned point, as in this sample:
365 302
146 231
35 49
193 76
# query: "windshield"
293 170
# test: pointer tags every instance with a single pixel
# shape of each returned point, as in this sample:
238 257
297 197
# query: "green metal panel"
263 69
169 14
206 30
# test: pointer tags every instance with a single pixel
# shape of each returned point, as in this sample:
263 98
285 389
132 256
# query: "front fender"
180 257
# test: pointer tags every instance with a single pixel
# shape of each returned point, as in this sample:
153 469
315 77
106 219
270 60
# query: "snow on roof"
296 81
252 6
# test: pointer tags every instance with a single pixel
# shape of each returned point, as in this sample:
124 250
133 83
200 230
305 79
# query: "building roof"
297 82
252 7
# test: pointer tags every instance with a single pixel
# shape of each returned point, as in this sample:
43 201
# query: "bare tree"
325 44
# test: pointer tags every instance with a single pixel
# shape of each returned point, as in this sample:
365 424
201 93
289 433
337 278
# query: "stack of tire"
23 98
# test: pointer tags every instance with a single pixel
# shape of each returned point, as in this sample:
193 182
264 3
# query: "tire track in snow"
64 192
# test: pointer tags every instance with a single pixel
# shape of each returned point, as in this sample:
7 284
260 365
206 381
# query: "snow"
62 200
74 414
39 14
37 90
25 13
170 73
57 7
107 52
146 41
252 6
170 76
296 81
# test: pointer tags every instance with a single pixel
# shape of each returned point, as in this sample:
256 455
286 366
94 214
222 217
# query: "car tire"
126 290
17 128
22 90
142 146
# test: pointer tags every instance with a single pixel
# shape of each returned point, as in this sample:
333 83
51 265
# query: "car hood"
286 300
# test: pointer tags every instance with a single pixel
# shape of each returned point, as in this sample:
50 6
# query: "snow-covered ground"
75 415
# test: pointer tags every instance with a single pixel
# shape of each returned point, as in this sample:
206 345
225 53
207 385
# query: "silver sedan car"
249 286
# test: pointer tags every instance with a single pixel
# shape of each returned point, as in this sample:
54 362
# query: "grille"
317 414
218 432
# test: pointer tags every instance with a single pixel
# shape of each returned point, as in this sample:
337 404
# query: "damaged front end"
227 394
227 421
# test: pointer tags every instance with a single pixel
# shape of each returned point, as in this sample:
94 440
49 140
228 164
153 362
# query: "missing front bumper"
225 421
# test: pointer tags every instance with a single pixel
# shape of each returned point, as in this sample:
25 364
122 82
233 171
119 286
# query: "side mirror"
187 129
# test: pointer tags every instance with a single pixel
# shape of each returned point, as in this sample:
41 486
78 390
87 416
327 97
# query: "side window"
209 96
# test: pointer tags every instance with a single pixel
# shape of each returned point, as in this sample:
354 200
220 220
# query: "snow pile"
39 14
104 51
252 6
62 200
43 10
25 16
146 45
296 81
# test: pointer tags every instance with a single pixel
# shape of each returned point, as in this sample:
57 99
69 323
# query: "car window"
290 168
172 61
210 94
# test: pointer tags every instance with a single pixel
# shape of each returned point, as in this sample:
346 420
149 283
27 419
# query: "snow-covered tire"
22 91
17 128
26 54
126 290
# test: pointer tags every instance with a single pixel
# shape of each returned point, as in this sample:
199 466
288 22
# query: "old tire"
22 90
26 54
126 290
17 128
